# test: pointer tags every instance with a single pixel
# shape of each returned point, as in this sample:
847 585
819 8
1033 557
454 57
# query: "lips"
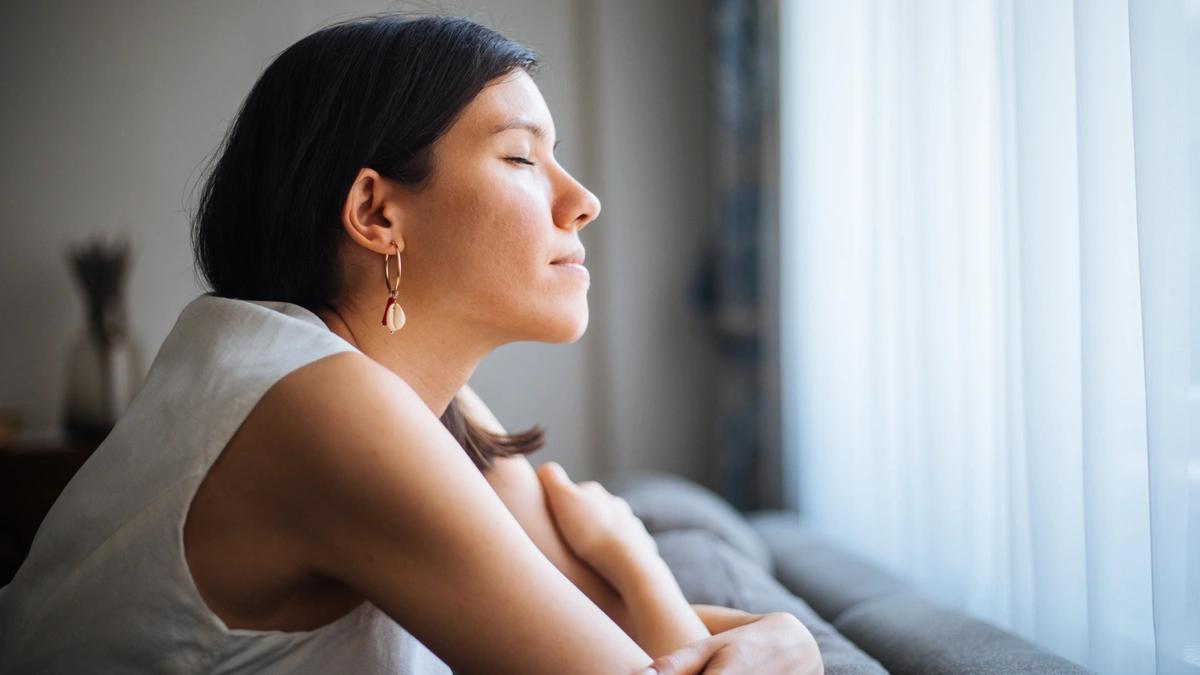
575 257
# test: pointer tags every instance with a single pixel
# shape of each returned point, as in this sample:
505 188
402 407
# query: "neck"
431 356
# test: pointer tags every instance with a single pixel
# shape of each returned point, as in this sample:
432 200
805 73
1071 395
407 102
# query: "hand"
599 527
772 643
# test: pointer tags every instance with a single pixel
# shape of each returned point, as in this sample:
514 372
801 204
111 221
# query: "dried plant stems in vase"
103 362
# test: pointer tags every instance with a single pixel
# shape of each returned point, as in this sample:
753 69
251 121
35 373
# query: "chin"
565 329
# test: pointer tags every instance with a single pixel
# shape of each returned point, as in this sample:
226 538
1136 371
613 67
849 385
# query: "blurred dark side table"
33 473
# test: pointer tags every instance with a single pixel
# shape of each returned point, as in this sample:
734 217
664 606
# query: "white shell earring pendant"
394 319
393 315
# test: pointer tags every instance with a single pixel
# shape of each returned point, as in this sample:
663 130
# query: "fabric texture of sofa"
864 620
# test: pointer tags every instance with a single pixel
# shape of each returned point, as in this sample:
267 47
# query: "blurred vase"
103 364
101 380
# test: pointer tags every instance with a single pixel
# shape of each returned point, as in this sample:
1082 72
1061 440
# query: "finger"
551 470
687 660
554 477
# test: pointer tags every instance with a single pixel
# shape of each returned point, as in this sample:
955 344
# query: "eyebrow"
522 123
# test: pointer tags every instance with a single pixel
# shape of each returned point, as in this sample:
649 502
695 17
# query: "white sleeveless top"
106 588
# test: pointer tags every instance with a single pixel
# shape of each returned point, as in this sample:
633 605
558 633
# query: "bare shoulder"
371 490
350 430
334 397
237 512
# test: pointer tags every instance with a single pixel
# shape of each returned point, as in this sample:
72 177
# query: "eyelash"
520 160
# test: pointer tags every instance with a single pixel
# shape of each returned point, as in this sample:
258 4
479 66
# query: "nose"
577 206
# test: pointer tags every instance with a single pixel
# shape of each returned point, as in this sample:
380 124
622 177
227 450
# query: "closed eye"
520 160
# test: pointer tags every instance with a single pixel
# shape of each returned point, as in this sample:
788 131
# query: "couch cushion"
826 576
886 617
666 502
712 572
910 634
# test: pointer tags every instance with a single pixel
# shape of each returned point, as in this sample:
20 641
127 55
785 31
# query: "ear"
373 214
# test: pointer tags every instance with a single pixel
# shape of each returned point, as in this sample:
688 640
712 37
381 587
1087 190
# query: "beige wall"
110 110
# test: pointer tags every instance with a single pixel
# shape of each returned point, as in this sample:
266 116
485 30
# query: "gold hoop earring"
393 316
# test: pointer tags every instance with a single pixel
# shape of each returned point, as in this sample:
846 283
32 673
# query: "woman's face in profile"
498 210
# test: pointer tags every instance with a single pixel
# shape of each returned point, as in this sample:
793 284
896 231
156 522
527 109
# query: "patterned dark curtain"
734 283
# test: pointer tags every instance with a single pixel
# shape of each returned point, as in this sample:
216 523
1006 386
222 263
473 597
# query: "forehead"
507 103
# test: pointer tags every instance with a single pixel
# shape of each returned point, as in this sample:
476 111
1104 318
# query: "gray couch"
864 620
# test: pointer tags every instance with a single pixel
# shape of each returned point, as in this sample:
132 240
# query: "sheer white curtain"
989 293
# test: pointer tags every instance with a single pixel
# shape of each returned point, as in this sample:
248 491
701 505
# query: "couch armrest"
886 617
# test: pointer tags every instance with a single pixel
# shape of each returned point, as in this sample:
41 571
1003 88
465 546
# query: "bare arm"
720 619
740 642
518 487
648 605
372 491
661 618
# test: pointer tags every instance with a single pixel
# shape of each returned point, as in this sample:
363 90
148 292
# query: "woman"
281 497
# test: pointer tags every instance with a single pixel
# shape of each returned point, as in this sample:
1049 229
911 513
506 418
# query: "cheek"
490 241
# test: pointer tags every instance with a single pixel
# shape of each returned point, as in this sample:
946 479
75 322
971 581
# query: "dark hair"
370 92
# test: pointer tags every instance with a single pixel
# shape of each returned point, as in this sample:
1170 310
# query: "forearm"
659 616
514 481
597 589
648 605
720 619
